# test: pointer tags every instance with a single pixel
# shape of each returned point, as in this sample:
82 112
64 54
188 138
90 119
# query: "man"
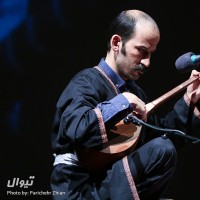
92 106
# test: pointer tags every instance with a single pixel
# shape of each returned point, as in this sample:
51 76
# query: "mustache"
140 67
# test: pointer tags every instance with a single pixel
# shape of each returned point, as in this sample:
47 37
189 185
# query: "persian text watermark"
18 187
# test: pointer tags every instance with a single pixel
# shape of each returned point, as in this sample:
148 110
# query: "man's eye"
143 52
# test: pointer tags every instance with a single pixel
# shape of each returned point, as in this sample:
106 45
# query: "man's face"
134 56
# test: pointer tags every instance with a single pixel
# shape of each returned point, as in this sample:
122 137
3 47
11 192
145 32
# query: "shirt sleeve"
115 109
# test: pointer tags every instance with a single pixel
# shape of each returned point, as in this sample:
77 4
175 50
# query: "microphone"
187 62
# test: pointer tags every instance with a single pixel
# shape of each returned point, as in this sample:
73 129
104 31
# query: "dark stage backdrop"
42 45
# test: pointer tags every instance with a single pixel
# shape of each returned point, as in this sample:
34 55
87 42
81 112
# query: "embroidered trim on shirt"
101 125
188 102
130 178
104 74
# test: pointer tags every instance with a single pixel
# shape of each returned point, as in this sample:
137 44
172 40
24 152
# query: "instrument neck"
157 102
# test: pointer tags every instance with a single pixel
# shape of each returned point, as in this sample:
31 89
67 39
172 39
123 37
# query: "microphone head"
184 63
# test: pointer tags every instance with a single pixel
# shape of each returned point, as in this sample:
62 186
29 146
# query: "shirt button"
124 106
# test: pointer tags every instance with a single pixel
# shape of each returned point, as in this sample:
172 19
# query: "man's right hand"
138 105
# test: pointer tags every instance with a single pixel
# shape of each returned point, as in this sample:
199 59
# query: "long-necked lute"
125 136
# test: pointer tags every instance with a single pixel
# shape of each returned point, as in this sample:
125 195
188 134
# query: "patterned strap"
104 74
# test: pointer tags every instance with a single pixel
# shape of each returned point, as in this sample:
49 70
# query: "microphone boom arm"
135 120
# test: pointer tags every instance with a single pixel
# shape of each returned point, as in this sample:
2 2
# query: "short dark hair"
124 25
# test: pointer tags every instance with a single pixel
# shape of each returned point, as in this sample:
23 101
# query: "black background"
58 38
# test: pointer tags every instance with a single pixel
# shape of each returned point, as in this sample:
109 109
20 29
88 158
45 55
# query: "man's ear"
115 42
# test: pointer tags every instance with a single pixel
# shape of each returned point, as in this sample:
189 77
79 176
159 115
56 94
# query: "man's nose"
145 62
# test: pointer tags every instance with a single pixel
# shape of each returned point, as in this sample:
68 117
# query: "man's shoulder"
88 72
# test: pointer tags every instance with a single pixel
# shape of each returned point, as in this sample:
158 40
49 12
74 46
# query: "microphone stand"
133 119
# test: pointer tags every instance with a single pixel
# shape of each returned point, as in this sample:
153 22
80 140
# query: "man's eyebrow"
145 48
